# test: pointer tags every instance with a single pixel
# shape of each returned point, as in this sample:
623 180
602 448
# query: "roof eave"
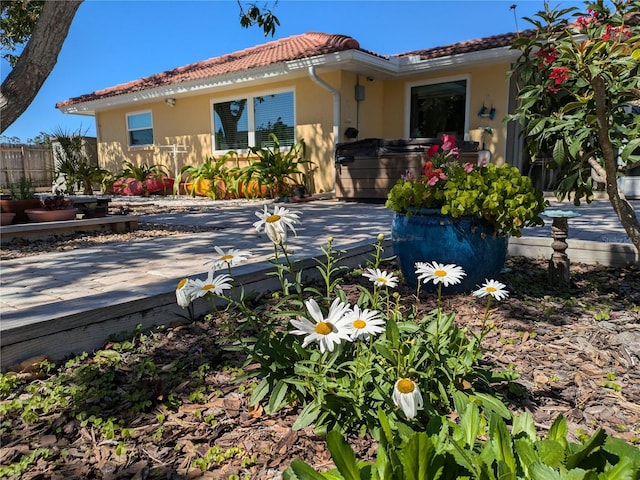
347 59
412 65
355 61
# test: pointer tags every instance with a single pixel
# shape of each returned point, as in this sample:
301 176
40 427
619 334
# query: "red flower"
433 175
559 75
448 142
620 33
547 54
433 149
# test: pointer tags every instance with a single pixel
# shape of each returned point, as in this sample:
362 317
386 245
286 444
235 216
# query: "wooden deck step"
117 224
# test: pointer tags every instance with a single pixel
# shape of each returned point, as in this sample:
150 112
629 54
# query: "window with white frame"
438 108
246 122
140 129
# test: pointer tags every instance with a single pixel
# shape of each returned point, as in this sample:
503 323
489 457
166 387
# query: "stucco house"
313 86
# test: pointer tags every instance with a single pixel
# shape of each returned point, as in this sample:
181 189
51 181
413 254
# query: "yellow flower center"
440 273
491 289
182 283
273 218
359 323
209 286
381 280
406 386
324 328
226 258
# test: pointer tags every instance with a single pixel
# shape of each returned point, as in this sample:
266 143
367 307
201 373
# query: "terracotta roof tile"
479 44
291 48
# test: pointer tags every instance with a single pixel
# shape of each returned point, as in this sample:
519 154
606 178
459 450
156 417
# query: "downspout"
336 112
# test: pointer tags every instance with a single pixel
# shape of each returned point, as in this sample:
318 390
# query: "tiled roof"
479 44
296 47
286 49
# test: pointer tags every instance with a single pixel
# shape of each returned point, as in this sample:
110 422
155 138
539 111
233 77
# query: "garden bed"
167 403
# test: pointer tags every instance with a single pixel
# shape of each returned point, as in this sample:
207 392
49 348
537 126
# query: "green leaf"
629 148
259 392
493 404
622 449
558 431
622 471
526 453
558 151
277 397
540 471
470 424
343 456
419 459
502 447
307 416
551 452
595 442
299 470
524 423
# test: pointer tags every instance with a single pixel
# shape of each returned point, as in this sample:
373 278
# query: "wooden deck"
116 223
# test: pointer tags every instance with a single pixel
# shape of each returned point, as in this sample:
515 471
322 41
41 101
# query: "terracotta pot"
18 207
41 215
252 190
128 186
159 185
6 218
210 188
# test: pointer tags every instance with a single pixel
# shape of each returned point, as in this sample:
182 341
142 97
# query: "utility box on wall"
367 169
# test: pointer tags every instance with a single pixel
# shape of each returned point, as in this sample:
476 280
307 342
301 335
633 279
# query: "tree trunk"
37 60
621 206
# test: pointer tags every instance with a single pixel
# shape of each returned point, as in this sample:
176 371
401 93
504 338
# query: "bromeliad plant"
499 194
342 361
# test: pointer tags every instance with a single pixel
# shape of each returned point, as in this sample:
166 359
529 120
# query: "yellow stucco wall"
381 114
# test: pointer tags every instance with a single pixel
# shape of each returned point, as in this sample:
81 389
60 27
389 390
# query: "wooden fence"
29 161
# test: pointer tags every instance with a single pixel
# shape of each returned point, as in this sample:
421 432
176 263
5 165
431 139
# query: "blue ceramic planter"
468 242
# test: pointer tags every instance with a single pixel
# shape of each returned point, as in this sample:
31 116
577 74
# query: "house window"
140 129
244 122
438 108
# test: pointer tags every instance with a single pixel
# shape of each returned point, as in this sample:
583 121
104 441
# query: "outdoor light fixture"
171 102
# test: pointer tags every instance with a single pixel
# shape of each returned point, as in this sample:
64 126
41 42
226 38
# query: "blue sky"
113 42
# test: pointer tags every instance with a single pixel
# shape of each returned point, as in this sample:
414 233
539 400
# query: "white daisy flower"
216 285
439 273
494 288
184 292
230 258
381 278
364 323
328 331
406 395
275 224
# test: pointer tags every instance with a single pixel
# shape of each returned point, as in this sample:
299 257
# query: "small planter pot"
6 218
467 242
18 207
41 215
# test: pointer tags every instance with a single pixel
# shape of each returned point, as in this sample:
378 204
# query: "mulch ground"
577 351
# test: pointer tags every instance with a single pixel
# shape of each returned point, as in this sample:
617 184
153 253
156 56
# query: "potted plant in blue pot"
462 214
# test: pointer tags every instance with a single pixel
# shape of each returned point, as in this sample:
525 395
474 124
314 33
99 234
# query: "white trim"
128 130
251 132
348 60
434 81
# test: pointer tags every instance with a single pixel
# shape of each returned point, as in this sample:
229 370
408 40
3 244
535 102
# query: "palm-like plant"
276 169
